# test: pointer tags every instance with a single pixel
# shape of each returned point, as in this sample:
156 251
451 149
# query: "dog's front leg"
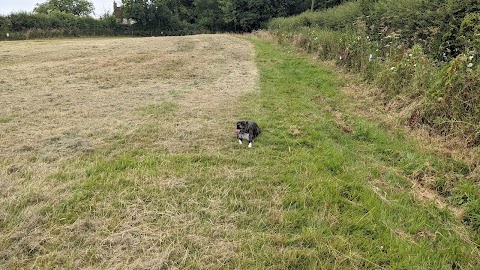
250 140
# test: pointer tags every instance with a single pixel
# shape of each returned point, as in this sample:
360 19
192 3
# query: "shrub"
5 26
453 103
57 24
337 18
407 73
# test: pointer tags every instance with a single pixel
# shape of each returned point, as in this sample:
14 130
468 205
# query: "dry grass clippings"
64 99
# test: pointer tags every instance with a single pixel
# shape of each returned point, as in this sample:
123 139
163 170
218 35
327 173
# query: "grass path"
321 189
348 199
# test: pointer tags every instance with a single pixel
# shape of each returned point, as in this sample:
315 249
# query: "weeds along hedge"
27 26
447 92
452 102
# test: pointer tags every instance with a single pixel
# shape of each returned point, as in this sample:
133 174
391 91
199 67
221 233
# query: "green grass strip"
348 200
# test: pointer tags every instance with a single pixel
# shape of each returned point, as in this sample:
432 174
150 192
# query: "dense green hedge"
57 24
419 50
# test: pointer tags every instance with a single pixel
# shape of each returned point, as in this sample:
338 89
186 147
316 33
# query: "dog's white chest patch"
243 136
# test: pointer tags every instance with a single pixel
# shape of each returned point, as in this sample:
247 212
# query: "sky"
9 6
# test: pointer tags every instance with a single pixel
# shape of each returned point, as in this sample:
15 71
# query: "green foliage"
453 103
209 15
469 37
5 26
408 73
213 15
342 17
161 15
56 24
401 46
435 25
247 15
75 7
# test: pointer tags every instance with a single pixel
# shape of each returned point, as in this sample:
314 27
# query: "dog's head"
241 125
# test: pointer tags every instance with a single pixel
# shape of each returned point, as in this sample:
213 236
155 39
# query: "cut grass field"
121 153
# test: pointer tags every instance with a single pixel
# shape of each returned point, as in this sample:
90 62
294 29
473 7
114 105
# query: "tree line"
152 17
216 15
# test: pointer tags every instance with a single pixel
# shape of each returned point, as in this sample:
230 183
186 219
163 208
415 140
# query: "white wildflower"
370 58
392 68
340 58
8 35
470 57
410 55
414 65
470 65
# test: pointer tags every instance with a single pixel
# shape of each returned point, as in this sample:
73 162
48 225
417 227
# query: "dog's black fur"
247 130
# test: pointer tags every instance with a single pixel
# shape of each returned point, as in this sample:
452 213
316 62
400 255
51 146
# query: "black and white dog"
247 130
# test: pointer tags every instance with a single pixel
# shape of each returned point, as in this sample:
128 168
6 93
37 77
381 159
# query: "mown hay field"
73 101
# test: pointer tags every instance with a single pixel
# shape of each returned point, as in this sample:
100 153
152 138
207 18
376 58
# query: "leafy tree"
5 25
209 15
186 10
155 14
247 15
75 7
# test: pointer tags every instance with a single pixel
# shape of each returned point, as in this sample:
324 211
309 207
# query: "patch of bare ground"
64 99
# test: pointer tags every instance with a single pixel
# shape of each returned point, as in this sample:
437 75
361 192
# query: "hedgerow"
426 51
56 24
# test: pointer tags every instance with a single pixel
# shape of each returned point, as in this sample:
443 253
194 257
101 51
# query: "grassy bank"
418 53
321 188
353 194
